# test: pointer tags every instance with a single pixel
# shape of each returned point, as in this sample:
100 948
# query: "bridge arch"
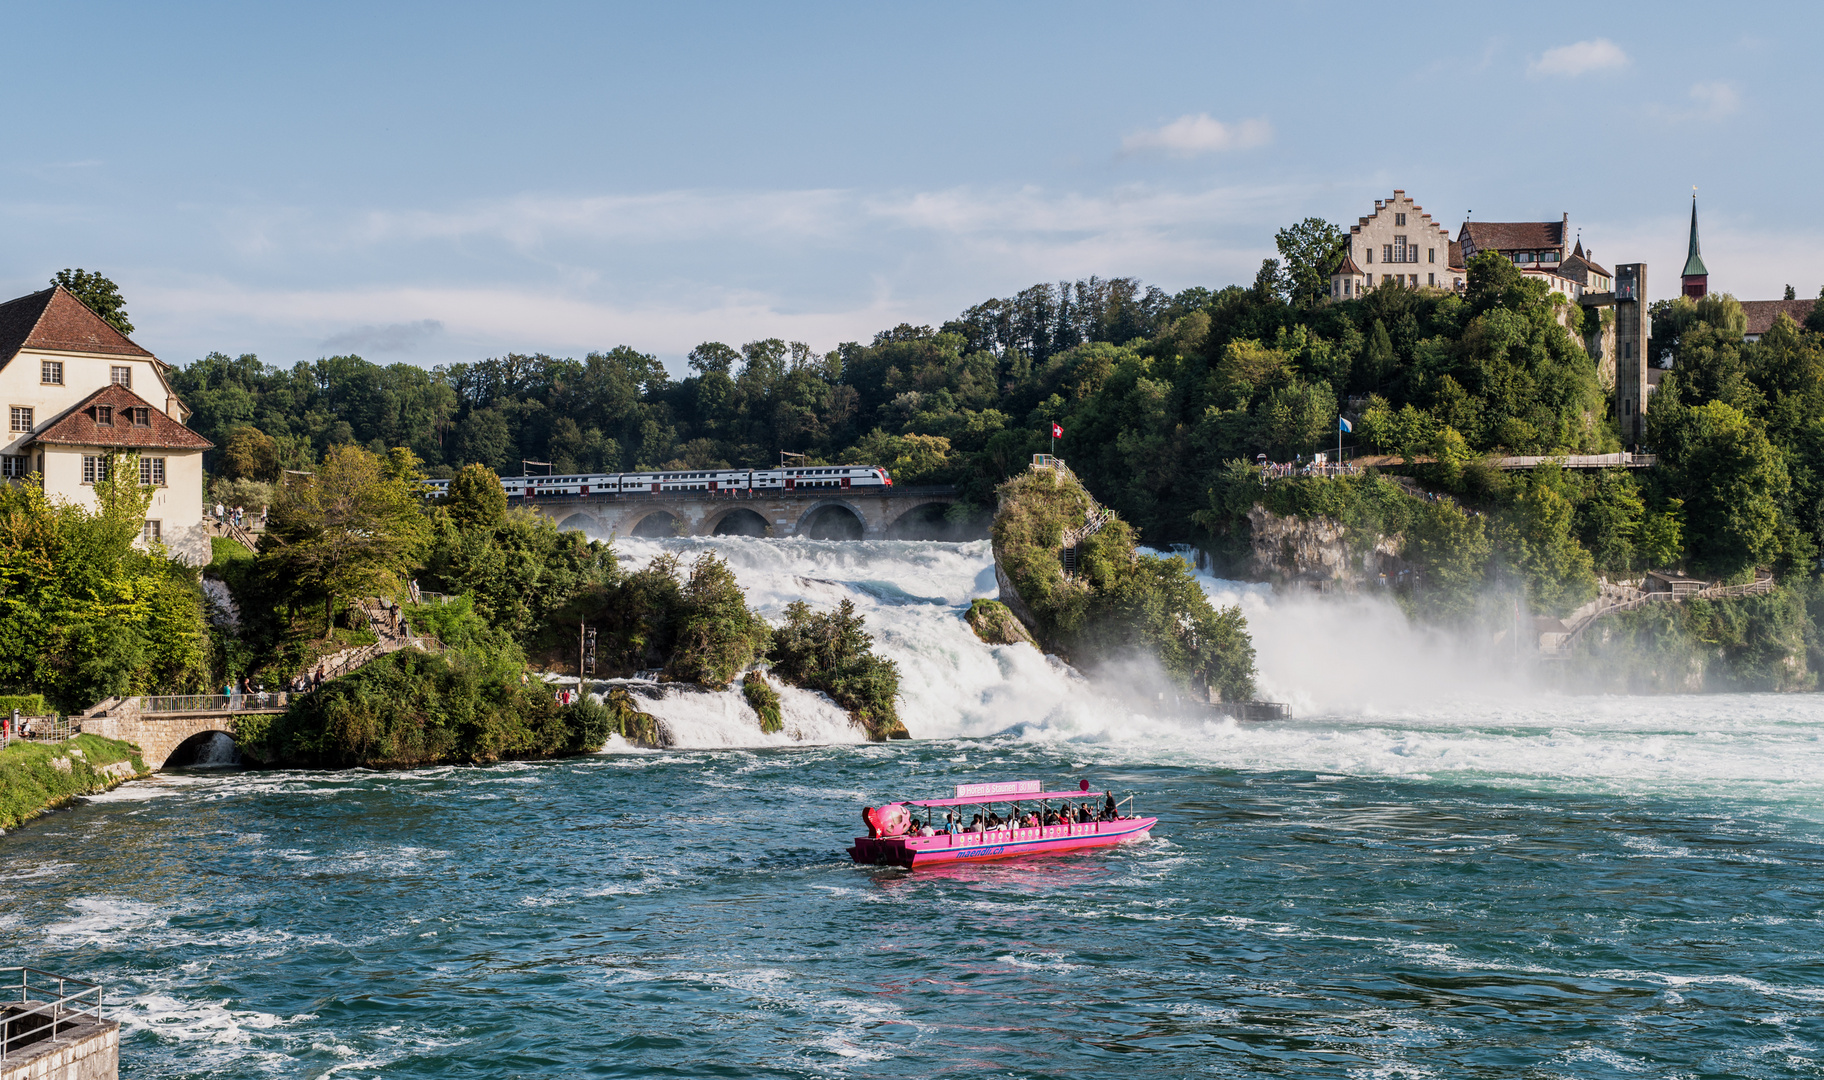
926 521
657 522
209 746
584 523
736 521
832 520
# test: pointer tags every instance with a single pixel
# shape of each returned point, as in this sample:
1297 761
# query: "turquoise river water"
1432 872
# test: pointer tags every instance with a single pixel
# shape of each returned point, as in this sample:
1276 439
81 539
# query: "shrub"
717 635
764 700
829 651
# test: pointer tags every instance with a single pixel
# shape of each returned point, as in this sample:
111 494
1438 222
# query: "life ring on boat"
892 819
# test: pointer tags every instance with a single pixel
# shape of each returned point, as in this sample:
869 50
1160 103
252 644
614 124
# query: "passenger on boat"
994 820
975 824
1051 818
1109 810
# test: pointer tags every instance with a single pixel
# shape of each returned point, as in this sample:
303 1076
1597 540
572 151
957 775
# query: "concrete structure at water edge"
51 1028
897 513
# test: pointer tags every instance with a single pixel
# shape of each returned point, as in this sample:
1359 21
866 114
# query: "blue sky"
439 183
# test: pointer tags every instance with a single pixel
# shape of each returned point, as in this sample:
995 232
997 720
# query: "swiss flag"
1057 431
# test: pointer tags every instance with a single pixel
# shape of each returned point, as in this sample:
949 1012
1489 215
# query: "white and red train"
714 481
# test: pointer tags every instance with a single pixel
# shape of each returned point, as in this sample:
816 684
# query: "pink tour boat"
1082 819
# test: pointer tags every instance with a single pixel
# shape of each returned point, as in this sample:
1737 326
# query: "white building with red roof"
77 394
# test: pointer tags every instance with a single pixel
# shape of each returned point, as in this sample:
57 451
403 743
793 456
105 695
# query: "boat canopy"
1021 797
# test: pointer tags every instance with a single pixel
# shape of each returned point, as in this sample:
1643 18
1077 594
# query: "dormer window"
142 416
104 415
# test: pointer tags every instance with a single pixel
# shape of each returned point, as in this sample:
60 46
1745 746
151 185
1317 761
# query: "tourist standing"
221 512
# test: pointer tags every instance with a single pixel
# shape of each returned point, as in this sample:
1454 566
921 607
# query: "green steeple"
1694 263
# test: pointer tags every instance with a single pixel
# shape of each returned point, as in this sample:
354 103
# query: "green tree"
101 295
1309 252
251 454
476 500
1450 551
1732 480
718 636
832 651
349 530
1609 522
1540 544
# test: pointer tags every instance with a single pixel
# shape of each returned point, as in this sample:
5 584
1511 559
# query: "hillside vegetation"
1119 606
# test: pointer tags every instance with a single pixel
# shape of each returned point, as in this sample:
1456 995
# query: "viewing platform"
51 1027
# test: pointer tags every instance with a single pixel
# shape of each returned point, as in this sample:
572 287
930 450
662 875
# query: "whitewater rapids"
1372 695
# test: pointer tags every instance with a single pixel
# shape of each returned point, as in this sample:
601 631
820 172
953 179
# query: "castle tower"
1696 278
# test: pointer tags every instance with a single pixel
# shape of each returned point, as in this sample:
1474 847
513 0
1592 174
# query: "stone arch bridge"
903 513
170 730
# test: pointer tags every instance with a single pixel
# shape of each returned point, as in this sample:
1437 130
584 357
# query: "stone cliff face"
1317 552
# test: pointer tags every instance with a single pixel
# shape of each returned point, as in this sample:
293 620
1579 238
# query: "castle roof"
1762 314
1514 235
53 319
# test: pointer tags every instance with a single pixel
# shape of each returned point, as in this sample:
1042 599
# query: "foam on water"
1373 694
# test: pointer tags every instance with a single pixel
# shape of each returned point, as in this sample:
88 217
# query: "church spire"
1696 277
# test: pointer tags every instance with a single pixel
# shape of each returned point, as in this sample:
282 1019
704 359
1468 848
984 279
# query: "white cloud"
1580 58
1715 100
1189 135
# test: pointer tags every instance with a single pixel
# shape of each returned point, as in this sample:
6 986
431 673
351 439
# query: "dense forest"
1158 396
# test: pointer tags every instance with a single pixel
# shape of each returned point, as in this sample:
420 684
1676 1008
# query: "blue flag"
1343 425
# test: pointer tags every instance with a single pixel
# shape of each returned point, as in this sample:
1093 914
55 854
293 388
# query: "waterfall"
695 718
223 611
217 751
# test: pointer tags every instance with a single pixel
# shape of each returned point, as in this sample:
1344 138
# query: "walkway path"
1612 599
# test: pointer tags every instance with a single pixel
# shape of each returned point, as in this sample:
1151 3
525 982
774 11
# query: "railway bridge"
897 513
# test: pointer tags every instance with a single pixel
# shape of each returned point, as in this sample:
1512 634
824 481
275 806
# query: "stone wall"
87 1049
1316 552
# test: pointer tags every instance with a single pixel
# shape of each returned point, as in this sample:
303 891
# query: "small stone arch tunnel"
825 517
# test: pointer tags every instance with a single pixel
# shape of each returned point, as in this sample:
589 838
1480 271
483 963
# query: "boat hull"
950 849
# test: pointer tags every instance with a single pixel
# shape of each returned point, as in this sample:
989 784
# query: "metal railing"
223 703
47 1002
51 728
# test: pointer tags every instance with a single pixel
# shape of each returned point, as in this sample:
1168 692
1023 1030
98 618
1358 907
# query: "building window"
1399 219
1431 279
22 418
12 466
142 416
94 469
152 471
122 376
1368 251
51 372
104 415
150 532
1431 255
